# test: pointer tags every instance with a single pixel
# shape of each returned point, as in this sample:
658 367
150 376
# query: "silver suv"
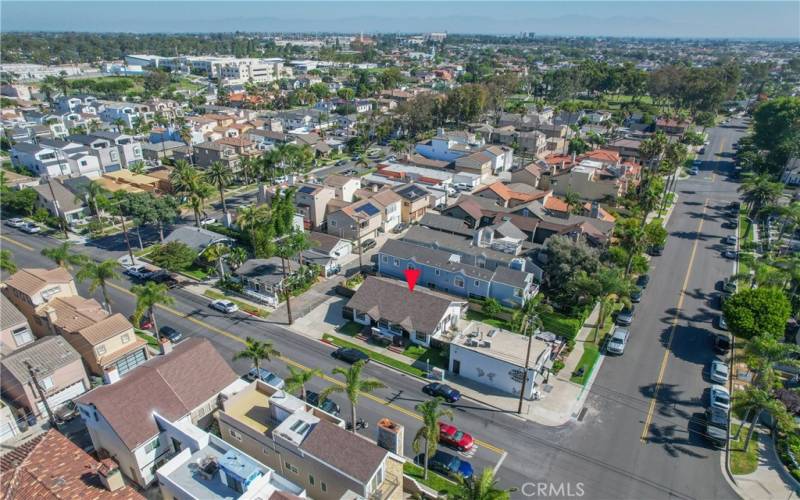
619 339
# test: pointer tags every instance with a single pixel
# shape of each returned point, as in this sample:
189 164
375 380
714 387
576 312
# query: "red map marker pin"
412 275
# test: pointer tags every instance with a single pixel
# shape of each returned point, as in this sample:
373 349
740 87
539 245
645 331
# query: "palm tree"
219 176
148 296
763 353
572 200
754 400
250 217
632 239
256 351
119 123
760 190
353 386
299 378
214 254
136 167
290 245
483 487
237 257
95 194
187 180
431 412
99 274
62 256
6 262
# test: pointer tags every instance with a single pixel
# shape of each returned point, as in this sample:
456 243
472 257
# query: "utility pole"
127 240
525 325
360 250
57 208
39 389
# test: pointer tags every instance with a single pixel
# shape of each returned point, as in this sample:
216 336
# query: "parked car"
636 295
721 323
66 412
399 228
717 426
720 397
340 163
446 464
642 281
694 170
165 278
722 343
619 339
15 222
225 306
368 244
462 186
207 220
443 391
30 228
265 376
625 316
656 250
138 272
729 254
718 372
729 285
730 240
449 435
327 405
350 355
172 334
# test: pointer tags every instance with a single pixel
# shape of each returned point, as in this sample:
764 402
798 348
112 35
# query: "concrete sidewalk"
768 480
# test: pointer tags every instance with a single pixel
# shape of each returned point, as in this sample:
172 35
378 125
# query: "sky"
645 18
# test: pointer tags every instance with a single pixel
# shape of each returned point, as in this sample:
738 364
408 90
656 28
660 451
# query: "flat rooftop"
252 408
505 345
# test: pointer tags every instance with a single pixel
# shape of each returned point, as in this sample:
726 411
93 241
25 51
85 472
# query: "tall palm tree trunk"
425 461
751 429
222 199
353 417
104 289
287 293
155 325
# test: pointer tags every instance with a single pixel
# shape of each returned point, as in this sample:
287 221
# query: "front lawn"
197 272
351 329
243 306
439 358
743 462
561 324
376 356
587 362
434 481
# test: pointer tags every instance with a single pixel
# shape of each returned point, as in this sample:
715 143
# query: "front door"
456 366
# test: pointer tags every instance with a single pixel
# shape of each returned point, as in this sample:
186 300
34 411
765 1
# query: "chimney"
595 210
166 345
110 475
390 436
52 317
110 375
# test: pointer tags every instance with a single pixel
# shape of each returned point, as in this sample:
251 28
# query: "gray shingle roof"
446 224
347 452
382 298
47 354
196 237
453 243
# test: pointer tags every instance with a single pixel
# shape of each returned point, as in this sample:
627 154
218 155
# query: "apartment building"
309 446
55 158
130 149
105 150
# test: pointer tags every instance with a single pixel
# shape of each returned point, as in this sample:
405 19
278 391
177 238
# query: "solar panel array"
307 189
368 209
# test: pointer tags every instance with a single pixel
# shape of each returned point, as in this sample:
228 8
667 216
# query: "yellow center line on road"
291 362
15 242
673 328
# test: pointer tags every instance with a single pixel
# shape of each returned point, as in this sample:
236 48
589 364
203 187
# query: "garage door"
61 397
130 362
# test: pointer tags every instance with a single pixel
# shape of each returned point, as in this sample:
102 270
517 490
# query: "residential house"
449 146
509 195
791 173
344 186
312 201
671 126
310 445
130 149
422 317
122 417
327 251
357 221
629 148
15 332
55 158
197 238
264 279
19 181
415 202
59 374
477 163
206 153
443 270
80 103
161 151
530 174
593 181
207 467
65 203
392 208
532 142
269 138
446 224
124 111
105 151
30 288
411 173
51 466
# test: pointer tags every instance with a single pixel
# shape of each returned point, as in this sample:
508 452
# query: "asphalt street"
639 438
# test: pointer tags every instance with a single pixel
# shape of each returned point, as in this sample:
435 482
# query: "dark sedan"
350 355
636 295
443 391
446 464
170 333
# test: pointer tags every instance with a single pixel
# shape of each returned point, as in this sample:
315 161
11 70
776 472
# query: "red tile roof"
507 194
557 204
50 466
604 155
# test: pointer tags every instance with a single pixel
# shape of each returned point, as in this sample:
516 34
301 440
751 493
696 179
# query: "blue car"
446 465
267 376
443 391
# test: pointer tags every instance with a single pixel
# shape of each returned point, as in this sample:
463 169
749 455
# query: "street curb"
784 471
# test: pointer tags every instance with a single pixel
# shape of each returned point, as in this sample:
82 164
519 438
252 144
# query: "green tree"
252 217
288 246
257 351
764 352
298 379
174 256
95 195
432 413
148 296
219 176
758 311
572 200
655 234
214 255
354 385
237 257
7 263
62 255
482 487
632 238
99 274
754 400
776 127
759 190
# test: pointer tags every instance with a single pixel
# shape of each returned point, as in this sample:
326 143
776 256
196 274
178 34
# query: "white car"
207 220
718 372
15 222
694 171
30 228
720 397
730 240
139 272
721 323
619 339
225 306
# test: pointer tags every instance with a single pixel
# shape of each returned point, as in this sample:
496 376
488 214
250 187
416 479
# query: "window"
396 262
152 445
22 336
291 468
409 266
311 480
384 258
46 383
333 223
126 338
101 349
420 336
438 272
459 282
323 486
235 435
477 283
